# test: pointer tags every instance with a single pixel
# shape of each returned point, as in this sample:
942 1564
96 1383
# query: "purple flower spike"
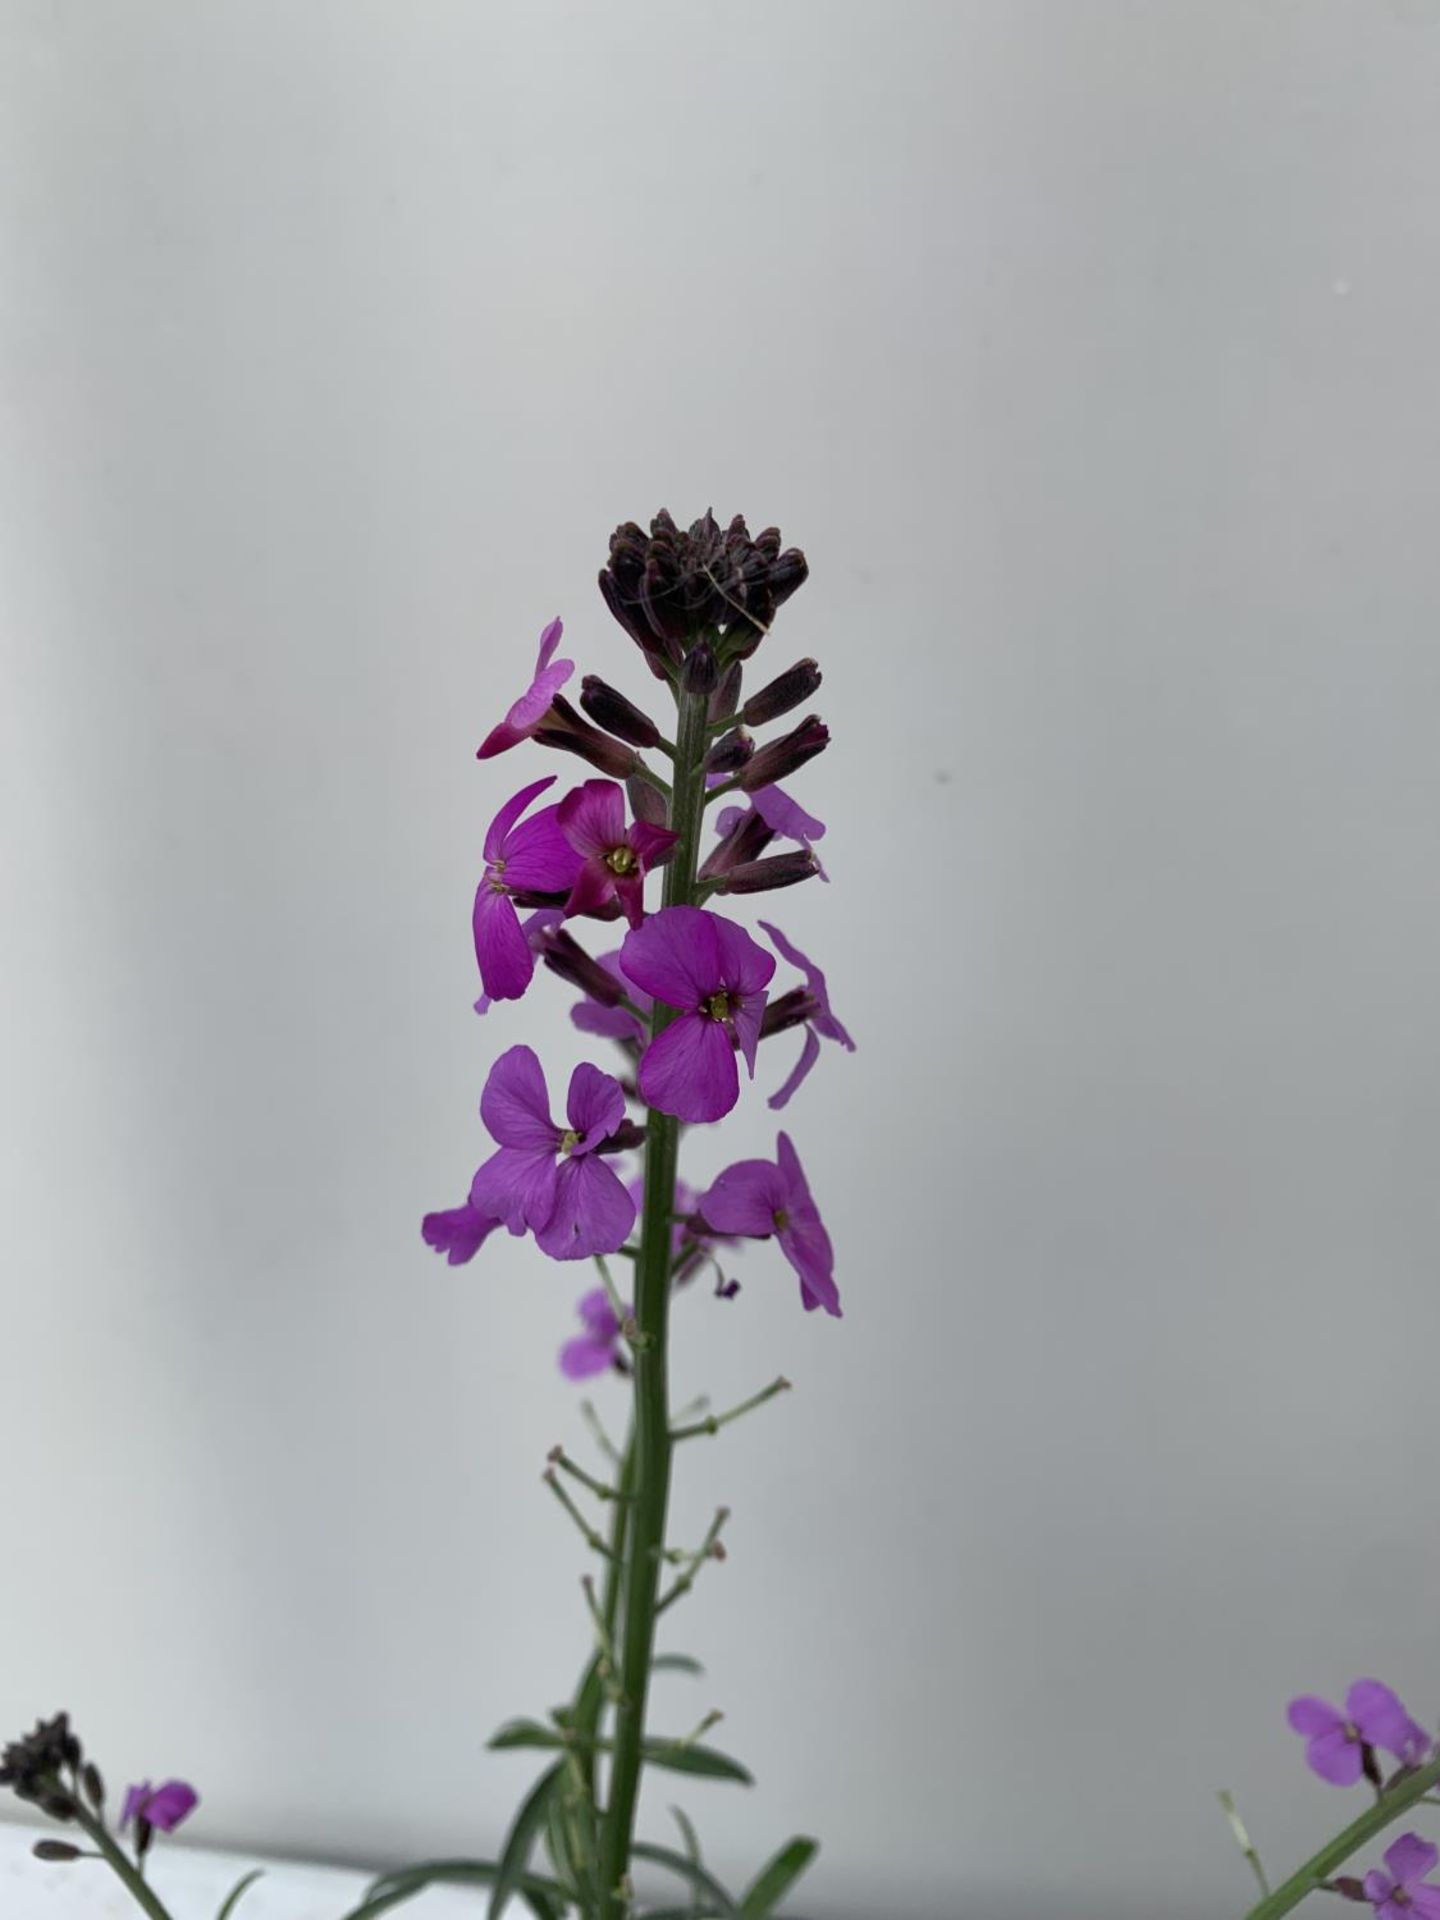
716 975
530 709
1405 1893
615 1023
458 1232
547 1178
616 858
757 1198
163 1807
1335 1742
819 1025
597 1349
525 856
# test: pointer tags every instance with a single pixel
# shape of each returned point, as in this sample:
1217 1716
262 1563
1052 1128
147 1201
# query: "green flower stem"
713 1422
124 1869
593 1540
651 1487
1322 1866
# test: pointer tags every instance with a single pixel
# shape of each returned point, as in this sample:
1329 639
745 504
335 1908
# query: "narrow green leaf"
687 1869
690 1837
676 1663
527 1733
546 1899
694 1759
775 1880
238 1892
516 1857
685 1913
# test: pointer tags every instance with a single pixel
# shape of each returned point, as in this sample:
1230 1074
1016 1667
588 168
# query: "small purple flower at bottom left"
163 1807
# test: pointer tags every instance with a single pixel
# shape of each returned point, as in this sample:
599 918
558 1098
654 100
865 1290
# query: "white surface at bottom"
192 1884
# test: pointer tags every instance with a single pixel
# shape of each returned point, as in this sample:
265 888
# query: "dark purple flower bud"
1348 1887
626 1137
612 711
661 656
776 870
746 840
700 673
670 586
31 1765
59 1806
730 752
563 954
787 574
726 696
94 1786
790 1009
55 1850
779 758
647 803
565 728
783 695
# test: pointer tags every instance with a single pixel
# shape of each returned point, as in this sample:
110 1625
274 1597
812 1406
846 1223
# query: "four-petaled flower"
163 1807
532 856
716 975
616 857
819 1023
548 1178
757 1198
1404 1893
458 1232
530 709
597 1349
1335 1742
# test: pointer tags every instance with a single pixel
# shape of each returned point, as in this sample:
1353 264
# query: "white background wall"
1089 349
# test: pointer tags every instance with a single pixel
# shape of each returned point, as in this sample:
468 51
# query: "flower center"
781 1219
1351 1731
621 860
493 873
717 1006
569 1140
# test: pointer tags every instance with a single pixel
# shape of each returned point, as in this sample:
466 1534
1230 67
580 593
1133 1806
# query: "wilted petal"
511 811
516 1187
809 1054
690 1069
458 1232
595 1106
515 1105
592 817
675 956
593 1213
744 1199
502 953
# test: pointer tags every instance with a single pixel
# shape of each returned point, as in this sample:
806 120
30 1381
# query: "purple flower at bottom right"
1404 1893
758 1198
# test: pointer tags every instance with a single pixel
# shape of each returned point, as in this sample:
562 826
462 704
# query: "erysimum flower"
758 1198
710 969
521 856
458 1232
616 857
163 1807
819 1022
530 709
541 922
1335 1742
595 1350
549 1178
1404 1893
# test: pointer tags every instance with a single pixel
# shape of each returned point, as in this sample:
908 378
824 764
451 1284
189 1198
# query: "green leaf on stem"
516 1856
237 1893
688 1868
527 1734
776 1879
546 1899
682 1757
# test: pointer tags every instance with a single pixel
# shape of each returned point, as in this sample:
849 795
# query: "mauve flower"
1404 1893
531 857
548 1178
785 818
542 921
616 1023
595 1350
163 1807
458 1232
1335 1741
530 709
716 975
819 1024
758 1198
616 857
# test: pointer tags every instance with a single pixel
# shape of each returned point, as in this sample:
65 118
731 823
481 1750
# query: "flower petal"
745 966
675 956
611 1023
525 715
1411 1858
516 1187
502 953
1379 1715
584 1357
595 1310
592 817
1335 1757
515 1105
1310 1716
169 1804
786 816
538 855
651 845
593 1212
1378 1888
135 1798
806 1245
1424 1903
690 1069
594 888
511 812
809 1054
595 1105
458 1232
746 1017
744 1199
